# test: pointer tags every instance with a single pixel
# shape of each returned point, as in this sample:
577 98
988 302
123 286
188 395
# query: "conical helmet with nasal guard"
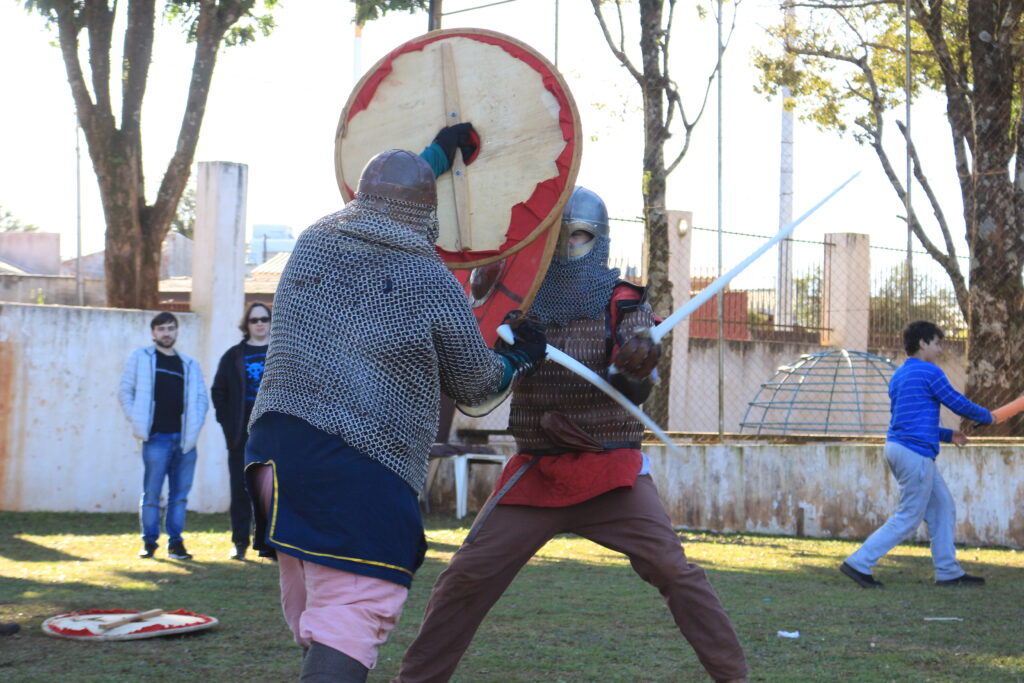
399 175
585 211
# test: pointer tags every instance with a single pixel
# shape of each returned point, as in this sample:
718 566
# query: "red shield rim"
529 219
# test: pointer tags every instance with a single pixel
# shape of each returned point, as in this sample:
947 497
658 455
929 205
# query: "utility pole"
79 275
784 278
434 15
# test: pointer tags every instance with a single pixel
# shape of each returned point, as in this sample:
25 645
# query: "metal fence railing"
843 306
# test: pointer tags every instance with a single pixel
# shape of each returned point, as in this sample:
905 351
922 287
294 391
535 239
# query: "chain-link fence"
810 355
947 135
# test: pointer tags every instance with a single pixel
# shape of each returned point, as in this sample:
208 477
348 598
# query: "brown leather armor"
542 400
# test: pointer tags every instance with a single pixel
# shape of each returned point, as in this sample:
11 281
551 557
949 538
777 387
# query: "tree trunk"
118 170
135 230
654 182
995 373
659 291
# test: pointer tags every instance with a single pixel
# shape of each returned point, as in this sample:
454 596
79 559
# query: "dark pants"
241 507
631 521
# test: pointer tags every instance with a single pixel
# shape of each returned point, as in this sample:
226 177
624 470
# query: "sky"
274 106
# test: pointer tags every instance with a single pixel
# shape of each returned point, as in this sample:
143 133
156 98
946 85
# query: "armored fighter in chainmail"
579 467
369 329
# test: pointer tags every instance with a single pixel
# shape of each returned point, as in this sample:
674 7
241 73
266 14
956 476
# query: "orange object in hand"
1004 413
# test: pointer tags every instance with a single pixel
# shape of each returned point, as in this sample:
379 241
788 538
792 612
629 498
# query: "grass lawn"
575 613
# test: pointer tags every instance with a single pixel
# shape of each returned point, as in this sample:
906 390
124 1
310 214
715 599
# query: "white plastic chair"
460 465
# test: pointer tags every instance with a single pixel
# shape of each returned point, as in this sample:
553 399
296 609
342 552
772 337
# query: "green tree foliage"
135 227
8 223
807 298
844 63
371 10
890 311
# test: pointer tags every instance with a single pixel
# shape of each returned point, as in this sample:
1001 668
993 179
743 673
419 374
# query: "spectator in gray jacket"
164 397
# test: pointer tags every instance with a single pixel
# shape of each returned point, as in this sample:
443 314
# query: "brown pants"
630 521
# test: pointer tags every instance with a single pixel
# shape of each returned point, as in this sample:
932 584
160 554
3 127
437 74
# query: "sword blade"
664 327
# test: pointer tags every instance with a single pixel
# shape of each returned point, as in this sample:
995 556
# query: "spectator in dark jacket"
234 392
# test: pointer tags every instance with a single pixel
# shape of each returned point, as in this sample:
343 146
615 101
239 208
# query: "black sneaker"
147 551
178 552
8 628
238 553
964 580
863 580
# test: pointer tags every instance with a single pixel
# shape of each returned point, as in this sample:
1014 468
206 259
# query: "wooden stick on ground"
138 616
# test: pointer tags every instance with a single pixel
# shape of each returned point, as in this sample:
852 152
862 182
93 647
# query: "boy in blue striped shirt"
916 391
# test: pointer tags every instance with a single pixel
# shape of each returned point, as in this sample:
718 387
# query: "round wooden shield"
122 624
520 106
496 288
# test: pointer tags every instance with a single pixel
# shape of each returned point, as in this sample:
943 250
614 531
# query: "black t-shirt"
168 394
253 360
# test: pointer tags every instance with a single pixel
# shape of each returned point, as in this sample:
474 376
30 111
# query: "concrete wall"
36 252
56 289
846 292
176 256
66 446
218 297
818 489
844 490
64 441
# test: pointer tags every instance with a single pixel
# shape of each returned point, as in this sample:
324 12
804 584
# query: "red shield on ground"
121 624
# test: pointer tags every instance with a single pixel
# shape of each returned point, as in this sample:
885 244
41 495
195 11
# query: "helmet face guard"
584 211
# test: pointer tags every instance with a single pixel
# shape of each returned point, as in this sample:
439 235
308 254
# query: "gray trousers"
923 496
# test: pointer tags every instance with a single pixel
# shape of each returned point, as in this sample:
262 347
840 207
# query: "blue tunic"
333 505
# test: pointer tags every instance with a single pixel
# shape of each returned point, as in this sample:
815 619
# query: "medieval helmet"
399 175
584 211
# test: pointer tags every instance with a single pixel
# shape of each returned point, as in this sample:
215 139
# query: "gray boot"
324 664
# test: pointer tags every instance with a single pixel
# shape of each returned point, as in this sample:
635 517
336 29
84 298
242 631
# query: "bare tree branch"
846 5
672 93
68 30
138 53
949 260
212 24
100 20
945 260
826 54
619 52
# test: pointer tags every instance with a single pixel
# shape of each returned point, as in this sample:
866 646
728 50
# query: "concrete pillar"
218 296
846 296
680 230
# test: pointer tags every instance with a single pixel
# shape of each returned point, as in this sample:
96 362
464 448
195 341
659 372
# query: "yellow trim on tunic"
273 525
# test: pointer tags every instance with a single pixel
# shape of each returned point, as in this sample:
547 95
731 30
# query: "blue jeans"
923 496
162 457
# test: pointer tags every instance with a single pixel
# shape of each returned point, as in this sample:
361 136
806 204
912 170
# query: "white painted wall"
832 489
65 444
844 489
218 297
846 290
